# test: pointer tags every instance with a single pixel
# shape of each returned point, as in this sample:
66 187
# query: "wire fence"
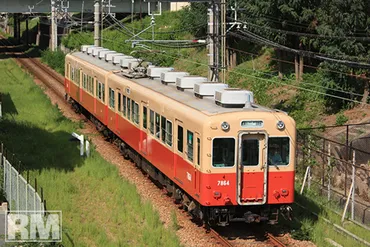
20 194
336 166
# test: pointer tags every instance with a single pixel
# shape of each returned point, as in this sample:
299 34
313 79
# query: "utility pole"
97 31
54 29
214 41
223 40
82 14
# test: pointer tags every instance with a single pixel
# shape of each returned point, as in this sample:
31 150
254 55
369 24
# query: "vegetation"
306 226
54 59
99 207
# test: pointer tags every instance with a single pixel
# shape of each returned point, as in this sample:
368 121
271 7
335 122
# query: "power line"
257 39
305 65
280 82
308 34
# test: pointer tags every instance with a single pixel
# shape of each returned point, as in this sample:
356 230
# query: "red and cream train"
215 151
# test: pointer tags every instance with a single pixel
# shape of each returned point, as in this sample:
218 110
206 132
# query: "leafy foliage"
54 59
341 119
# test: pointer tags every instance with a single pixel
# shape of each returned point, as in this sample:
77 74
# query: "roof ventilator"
155 72
187 82
84 47
103 53
171 76
208 89
234 98
116 60
91 49
109 56
96 51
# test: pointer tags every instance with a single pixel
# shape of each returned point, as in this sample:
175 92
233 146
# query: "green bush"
341 119
54 59
304 233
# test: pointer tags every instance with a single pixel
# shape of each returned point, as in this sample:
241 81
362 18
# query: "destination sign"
251 124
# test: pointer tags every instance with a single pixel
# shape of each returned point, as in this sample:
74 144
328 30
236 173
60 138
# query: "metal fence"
19 193
337 166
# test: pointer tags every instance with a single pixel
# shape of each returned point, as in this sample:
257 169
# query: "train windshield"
278 151
223 152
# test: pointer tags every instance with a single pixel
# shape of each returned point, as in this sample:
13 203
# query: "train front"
251 160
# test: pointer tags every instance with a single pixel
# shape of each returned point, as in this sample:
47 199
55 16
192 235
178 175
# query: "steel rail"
222 240
274 241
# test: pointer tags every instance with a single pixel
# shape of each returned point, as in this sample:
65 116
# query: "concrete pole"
54 30
97 31
27 38
6 23
15 26
210 43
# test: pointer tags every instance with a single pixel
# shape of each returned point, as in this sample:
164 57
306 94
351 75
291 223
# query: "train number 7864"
223 182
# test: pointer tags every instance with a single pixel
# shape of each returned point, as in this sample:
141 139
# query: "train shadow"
38 148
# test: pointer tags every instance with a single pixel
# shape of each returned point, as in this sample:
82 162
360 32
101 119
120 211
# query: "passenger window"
278 151
169 133
72 74
84 81
133 110
136 113
151 122
128 108
100 91
223 152
157 125
103 92
144 117
190 145
124 105
90 85
198 151
180 138
111 98
250 152
163 127
119 102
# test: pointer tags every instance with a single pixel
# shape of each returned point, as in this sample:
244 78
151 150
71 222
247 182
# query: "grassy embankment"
99 207
306 226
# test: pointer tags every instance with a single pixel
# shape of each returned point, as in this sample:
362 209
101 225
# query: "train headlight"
280 125
225 126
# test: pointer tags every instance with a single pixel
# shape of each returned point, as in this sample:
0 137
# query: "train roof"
206 105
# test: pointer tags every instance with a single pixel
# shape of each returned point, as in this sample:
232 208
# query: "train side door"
144 140
252 168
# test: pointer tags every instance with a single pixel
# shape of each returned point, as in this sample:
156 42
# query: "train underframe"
221 216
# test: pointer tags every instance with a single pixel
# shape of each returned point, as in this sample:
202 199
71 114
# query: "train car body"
223 163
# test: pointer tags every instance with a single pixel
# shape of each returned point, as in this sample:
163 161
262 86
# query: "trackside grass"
99 207
308 227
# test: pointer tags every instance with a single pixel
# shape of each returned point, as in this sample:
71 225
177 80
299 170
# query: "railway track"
275 241
221 239
55 82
